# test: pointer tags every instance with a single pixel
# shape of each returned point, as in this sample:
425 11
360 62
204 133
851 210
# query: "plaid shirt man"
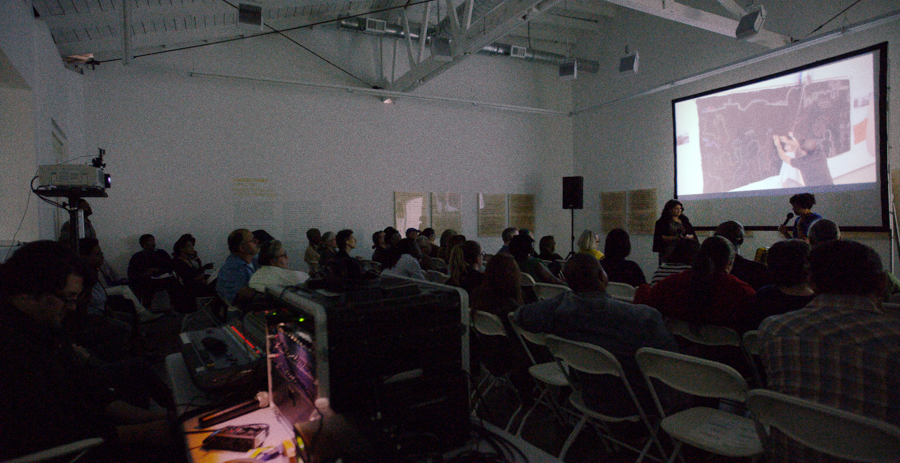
840 350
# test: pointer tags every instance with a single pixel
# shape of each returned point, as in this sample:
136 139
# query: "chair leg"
572 436
676 452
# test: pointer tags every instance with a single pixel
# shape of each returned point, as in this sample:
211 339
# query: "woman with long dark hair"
706 294
671 226
617 248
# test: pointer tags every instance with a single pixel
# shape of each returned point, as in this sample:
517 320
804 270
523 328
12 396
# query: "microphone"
790 215
260 401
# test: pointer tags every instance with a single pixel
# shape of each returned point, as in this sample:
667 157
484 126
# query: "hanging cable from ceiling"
832 19
273 31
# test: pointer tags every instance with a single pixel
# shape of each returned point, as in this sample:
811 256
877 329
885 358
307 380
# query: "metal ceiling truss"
465 38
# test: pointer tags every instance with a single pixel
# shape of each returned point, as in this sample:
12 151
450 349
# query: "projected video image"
813 128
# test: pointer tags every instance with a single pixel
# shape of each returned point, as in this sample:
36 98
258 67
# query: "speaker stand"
572 234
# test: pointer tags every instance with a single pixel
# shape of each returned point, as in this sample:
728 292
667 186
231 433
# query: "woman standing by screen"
671 226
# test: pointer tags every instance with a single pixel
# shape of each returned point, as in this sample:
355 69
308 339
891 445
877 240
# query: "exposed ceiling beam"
677 12
557 21
589 7
499 21
736 10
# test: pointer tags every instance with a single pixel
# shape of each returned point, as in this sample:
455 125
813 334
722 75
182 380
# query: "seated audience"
465 266
311 255
273 268
52 396
521 247
403 260
342 266
149 271
328 248
679 260
391 236
412 233
507 235
617 268
823 230
239 266
500 293
587 244
547 247
189 268
380 247
107 326
706 294
751 272
65 232
262 236
443 248
430 234
841 349
424 246
588 314
788 263
452 242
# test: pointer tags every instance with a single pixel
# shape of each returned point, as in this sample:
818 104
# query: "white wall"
35 88
329 159
626 141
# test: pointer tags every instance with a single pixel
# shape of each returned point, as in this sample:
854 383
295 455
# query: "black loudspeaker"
573 192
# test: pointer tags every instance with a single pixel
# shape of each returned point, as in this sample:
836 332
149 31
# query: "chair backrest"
584 357
709 335
487 323
549 290
750 342
437 276
620 291
438 263
539 339
824 428
527 280
693 375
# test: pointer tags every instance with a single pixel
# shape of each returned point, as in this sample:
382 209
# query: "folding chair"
549 290
620 291
489 325
706 428
548 375
437 277
707 335
591 359
56 453
823 428
750 347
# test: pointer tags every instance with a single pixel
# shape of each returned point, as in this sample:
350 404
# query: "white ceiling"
84 29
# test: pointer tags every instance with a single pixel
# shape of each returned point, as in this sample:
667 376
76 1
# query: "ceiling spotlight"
751 23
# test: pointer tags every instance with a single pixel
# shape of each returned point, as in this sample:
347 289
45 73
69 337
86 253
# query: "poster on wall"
411 210
521 211
446 212
491 214
612 210
642 213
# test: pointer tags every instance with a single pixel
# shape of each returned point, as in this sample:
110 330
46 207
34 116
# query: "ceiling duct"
494 49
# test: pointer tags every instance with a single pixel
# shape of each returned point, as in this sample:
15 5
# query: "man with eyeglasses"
239 266
52 396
